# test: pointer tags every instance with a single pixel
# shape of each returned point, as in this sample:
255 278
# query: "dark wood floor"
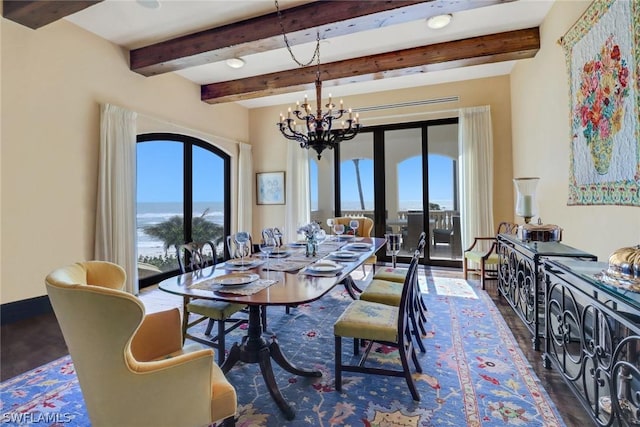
29 343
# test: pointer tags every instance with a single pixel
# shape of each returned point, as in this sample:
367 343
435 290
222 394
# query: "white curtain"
116 205
245 188
476 173
298 197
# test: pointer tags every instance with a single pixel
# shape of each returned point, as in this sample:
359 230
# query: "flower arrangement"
599 110
309 230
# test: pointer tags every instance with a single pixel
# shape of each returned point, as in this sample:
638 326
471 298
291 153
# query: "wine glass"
267 246
330 222
320 236
354 224
338 229
241 238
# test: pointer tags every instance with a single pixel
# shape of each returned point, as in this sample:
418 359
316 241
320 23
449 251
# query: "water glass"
338 229
241 238
354 224
394 242
267 246
330 222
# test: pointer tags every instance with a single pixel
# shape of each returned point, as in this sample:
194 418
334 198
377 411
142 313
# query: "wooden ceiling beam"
507 46
38 13
262 33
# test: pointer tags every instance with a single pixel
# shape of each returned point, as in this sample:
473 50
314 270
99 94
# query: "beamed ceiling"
260 34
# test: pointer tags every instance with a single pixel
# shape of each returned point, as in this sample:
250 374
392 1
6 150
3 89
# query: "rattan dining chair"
192 257
383 324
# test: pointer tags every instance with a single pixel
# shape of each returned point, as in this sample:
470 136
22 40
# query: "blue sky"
160 173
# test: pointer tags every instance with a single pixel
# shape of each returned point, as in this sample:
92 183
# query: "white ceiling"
131 25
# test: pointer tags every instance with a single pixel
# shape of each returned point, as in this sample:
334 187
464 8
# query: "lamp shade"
526 198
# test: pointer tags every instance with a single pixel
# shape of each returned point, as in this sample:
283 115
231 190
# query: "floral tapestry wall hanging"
602 51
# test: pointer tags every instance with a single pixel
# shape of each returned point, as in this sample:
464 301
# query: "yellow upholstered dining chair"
398 274
365 227
132 368
483 253
194 257
389 292
379 323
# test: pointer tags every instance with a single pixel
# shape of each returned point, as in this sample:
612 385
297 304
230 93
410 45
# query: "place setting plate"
323 267
297 244
358 246
344 255
279 253
235 279
242 264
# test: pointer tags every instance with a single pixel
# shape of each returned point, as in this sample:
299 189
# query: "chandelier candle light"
320 133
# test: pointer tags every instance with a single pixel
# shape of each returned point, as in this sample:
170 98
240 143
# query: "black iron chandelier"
317 131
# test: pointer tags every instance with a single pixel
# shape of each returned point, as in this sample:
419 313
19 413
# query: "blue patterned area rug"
474 374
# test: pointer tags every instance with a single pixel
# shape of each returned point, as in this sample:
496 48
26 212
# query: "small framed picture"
270 188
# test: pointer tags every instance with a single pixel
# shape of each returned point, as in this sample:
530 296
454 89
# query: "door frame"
379 180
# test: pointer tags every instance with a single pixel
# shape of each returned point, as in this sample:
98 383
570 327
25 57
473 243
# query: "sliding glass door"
405 178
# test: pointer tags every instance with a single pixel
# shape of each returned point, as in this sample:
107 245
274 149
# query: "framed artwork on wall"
270 188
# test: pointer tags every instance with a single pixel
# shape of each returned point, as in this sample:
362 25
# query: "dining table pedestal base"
254 348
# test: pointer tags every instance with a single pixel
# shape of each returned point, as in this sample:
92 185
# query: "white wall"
53 82
541 142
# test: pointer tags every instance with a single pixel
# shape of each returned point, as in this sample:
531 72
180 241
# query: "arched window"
182 196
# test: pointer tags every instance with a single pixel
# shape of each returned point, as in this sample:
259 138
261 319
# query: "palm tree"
171 231
356 163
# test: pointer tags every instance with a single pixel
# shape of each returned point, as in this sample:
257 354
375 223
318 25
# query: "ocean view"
151 213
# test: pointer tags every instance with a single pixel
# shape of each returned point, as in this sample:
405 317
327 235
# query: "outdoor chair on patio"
194 257
382 324
132 368
483 253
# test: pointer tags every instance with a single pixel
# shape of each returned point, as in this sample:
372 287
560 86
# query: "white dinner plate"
235 279
279 253
297 244
325 267
239 262
359 246
344 254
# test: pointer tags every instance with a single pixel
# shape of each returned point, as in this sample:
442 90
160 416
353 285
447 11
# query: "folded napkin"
248 289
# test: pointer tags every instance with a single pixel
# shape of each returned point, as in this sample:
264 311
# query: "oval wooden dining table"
291 288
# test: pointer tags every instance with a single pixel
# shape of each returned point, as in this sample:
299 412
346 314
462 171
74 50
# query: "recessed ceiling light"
235 62
439 21
149 4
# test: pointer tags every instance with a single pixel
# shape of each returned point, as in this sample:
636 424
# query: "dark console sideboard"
592 336
520 277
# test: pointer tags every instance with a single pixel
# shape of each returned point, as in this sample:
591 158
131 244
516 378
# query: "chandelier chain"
316 53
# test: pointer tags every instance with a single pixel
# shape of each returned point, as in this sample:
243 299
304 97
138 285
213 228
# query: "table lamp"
526 202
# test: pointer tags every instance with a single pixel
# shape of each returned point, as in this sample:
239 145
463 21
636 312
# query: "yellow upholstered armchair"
132 368
365 226
482 253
